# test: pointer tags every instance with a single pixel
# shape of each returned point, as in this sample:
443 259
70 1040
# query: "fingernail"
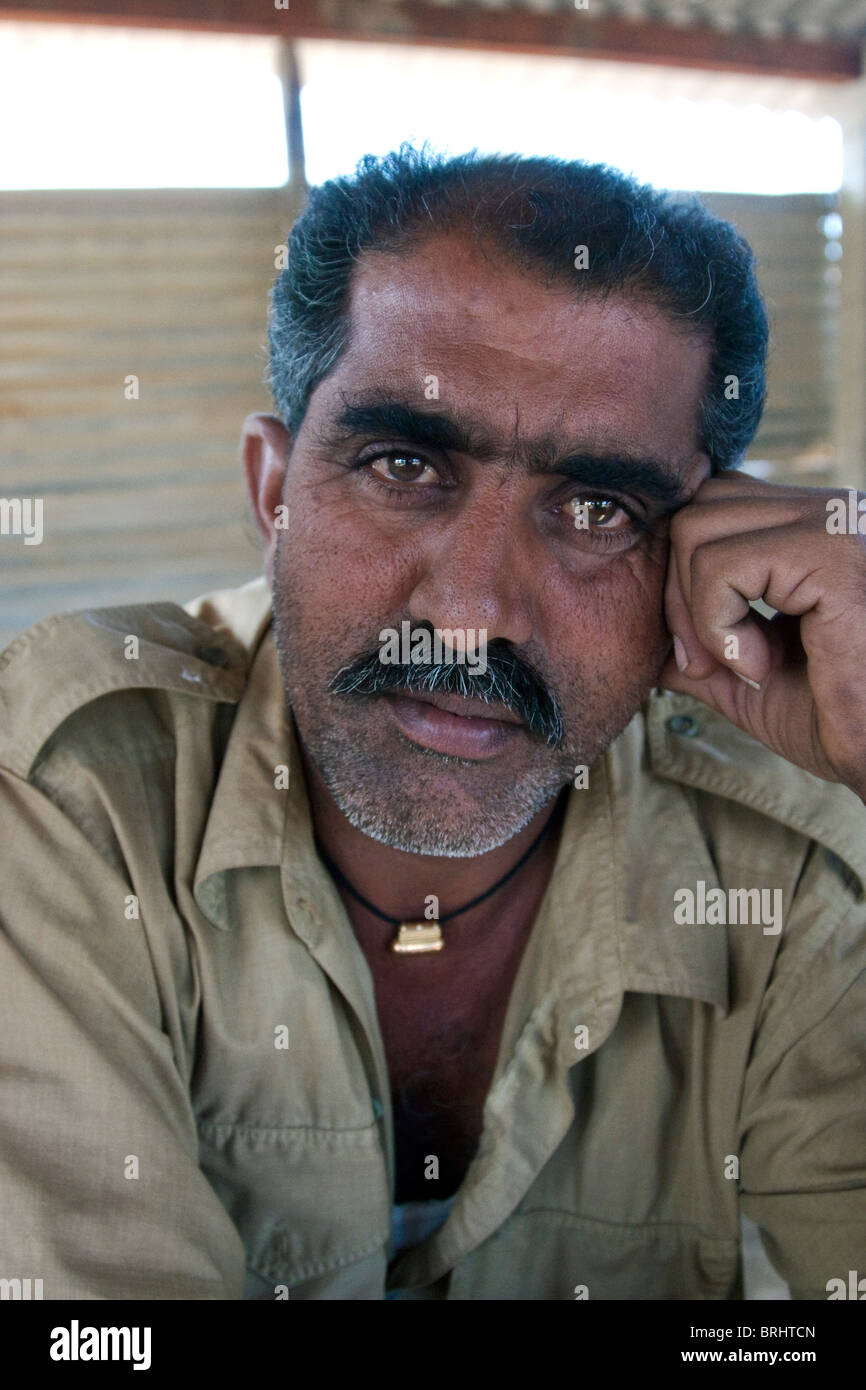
680 654
756 685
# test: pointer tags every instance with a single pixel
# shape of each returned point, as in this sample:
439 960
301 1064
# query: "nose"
476 571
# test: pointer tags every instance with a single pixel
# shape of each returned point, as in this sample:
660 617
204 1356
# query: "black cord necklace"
417 937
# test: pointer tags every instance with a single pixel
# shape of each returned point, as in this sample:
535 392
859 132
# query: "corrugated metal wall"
142 498
798 284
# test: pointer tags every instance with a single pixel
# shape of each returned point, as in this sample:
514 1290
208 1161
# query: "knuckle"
701 564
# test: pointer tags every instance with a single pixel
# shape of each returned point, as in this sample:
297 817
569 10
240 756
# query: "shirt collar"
260 813
606 925
260 776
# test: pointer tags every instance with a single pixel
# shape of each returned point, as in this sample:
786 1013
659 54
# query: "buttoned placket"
562 984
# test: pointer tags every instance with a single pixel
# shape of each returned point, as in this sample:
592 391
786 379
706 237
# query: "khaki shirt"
166 928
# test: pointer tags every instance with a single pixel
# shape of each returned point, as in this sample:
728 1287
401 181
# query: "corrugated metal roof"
809 19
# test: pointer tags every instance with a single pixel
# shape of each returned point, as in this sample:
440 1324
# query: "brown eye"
590 513
403 468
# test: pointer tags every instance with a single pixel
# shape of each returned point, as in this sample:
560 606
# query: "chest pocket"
306 1201
553 1255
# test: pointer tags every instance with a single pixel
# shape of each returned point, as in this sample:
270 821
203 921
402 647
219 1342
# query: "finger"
733 484
700 524
720 690
725 576
688 654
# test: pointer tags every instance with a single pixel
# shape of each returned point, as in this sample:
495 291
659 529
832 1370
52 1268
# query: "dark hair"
669 250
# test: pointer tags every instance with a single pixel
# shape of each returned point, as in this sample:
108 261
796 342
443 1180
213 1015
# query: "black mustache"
508 680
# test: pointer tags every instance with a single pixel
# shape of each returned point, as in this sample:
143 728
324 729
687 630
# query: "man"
335 967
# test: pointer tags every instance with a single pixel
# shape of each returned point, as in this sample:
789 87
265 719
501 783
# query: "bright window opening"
674 128
104 107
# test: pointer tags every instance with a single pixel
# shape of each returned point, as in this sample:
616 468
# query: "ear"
265 446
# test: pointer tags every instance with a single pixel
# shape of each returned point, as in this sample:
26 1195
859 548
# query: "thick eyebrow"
398 420
646 477
650 478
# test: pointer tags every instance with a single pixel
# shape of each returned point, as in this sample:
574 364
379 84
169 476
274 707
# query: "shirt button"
377 1108
214 656
684 725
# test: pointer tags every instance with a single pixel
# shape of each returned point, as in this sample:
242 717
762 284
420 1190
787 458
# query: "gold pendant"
413 938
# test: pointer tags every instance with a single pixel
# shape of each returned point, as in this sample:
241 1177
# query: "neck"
398 883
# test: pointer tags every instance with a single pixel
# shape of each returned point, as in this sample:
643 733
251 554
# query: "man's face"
520 411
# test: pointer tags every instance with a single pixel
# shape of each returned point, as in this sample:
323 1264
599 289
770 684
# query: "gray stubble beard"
373 799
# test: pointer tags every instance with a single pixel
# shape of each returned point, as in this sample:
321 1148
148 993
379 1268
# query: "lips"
454 724
463 706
